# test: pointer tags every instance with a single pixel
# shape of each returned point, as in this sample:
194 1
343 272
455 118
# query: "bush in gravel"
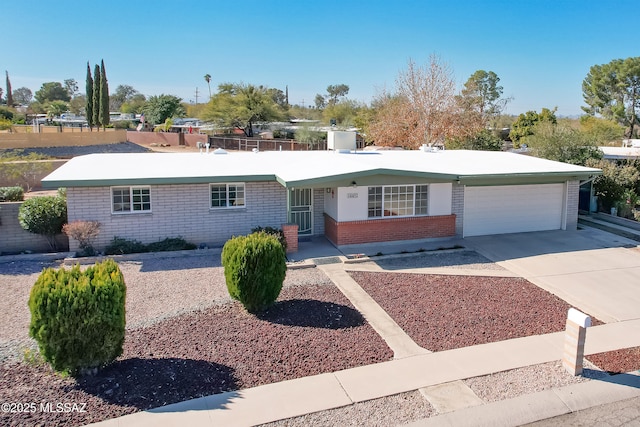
170 244
254 269
44 215
278 232
11 194
121 246
78 317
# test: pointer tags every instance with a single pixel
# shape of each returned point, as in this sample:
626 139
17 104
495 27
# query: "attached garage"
513 209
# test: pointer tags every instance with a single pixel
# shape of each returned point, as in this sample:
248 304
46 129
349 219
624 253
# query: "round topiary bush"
78 317
44 215
254 269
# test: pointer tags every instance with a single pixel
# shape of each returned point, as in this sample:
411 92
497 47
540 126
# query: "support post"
574 338
291 236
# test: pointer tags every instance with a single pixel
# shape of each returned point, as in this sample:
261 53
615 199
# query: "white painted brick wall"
457 207
179 210
318 212
573 200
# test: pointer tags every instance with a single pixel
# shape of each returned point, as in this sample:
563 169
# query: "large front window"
397 200
130 199
227 196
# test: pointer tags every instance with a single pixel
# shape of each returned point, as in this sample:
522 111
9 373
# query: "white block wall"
457 207
179 210
573 200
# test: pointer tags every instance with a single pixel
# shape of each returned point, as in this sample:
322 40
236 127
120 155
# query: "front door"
301 209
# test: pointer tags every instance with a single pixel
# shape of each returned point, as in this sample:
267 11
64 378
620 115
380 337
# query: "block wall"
573 200
387 230
179 210
457 207
15 239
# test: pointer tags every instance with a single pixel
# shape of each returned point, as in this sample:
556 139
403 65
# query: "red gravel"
312 330
447 312
617 362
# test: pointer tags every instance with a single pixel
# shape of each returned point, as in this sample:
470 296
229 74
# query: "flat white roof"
309 168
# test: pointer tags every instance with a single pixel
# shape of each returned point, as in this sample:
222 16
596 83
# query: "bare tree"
423 109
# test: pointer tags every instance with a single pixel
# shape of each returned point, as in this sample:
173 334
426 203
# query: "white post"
574 337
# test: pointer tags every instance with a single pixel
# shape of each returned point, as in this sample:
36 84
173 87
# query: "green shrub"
11 194
254 269
44 215
78 317
121 246
170 244
278 232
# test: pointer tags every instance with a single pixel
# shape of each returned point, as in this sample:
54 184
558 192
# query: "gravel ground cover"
186 338
460 259
457 311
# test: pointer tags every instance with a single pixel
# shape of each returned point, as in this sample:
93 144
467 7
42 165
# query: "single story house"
348 196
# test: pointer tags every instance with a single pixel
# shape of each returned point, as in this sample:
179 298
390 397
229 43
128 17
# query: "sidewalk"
413 368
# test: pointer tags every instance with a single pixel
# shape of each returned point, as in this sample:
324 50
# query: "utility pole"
196 95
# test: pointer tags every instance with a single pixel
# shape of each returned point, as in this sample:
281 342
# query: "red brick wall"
389 229
291 236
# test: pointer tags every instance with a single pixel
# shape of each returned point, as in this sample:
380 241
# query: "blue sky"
541 50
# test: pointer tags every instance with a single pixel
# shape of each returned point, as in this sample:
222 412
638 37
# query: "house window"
130 199
227 196
397 200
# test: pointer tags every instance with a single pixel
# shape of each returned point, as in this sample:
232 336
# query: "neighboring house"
349 197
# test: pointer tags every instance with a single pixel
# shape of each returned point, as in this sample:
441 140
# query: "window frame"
226 186
384 200
131 196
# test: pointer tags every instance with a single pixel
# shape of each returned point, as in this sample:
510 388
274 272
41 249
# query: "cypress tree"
9 94
104 97
89 100
96 96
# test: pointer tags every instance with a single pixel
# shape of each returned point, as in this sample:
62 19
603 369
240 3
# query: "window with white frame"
397 200
227 195
130 199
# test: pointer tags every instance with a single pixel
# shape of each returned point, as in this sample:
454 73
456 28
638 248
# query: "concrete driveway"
594 271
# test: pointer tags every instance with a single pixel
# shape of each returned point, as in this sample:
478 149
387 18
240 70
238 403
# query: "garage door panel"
512 209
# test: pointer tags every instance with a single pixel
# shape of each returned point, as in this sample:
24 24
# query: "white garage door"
512 209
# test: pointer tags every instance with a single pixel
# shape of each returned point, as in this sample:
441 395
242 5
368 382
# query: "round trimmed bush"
254 269
78 317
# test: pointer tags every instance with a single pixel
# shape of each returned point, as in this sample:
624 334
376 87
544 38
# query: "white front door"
301 209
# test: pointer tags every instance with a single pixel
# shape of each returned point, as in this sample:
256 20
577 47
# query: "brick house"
348 196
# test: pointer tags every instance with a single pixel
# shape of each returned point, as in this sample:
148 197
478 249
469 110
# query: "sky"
541 50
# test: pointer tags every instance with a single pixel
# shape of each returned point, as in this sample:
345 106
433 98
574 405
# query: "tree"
279 97
56 108
336 91
104 96
616 179
78 105
485 140
242 105
601 131
158 109
422 110
89 99
523 126
22 96
135 104
482 95
320 102
207 78
122 95
562 143
9 92
52 91
613 91
96 96
343 112
71 86
44 215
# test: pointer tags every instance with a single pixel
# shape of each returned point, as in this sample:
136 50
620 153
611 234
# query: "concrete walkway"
534 256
